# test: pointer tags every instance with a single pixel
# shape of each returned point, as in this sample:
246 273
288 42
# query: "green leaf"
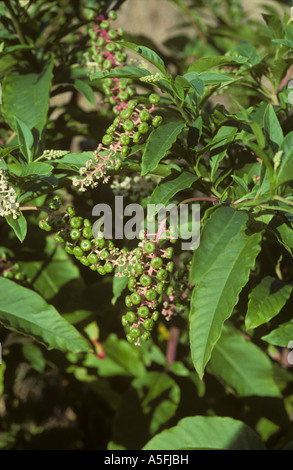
121 72
35 356
220 268
120 359
119 284
74 160
147 54
273 129
19 226
206 63
24 311
55 271
206 433
243 366
159 142
285 170
26 97
281 336
25 139
266 300
86 90
37 169
170 186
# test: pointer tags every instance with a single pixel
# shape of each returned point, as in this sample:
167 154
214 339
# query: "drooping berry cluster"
131 127
149 284
109 55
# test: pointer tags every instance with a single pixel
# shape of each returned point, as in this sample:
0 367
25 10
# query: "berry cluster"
108 55
11 270
149 284
130 128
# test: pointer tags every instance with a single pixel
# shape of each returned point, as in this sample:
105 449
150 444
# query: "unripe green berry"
170 267
104 255
128 302
131 283
135 298
76 222
70 210
145 280
104 24
74 234
113 15
124 320
107 139
155 315
156 262
143 127
87 232
101 270
124 139
135 333
138 268
129 338
93 259
148 324
131 104
108 267
84 261
125 113
124 150
149 247
131 317
162 275
145 336
151 294
77 251
169 252
123 96
154 98
160 287
157 121
144 115
136 137
58 239
85 245
143 311
170 291
128 125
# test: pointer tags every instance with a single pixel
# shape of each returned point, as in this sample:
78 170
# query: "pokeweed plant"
208 124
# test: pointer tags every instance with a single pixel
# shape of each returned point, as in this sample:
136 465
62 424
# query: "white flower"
8 198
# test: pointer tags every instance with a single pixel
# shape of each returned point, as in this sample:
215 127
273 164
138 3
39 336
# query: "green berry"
75 234
143 127
123 96
113 15
101 270
100 42
131 104
135 298
148 324
154 98
112 34
84 261
169 252
131 283
160 287
151 294
170 267
157 121
99 242
149 247
76 222
124 151
58 239
107 139
143 311
124 320
104 255
145 336
104 24
108 267
170 291
135 332
110 47
162 275
85 245
107 64
124 139
70 210
131 317
77 251
138 268
93 259
155 315
125 113
145 280
157 262
144 115
93 267
87 232
128 125
136 137
129 338
128 302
